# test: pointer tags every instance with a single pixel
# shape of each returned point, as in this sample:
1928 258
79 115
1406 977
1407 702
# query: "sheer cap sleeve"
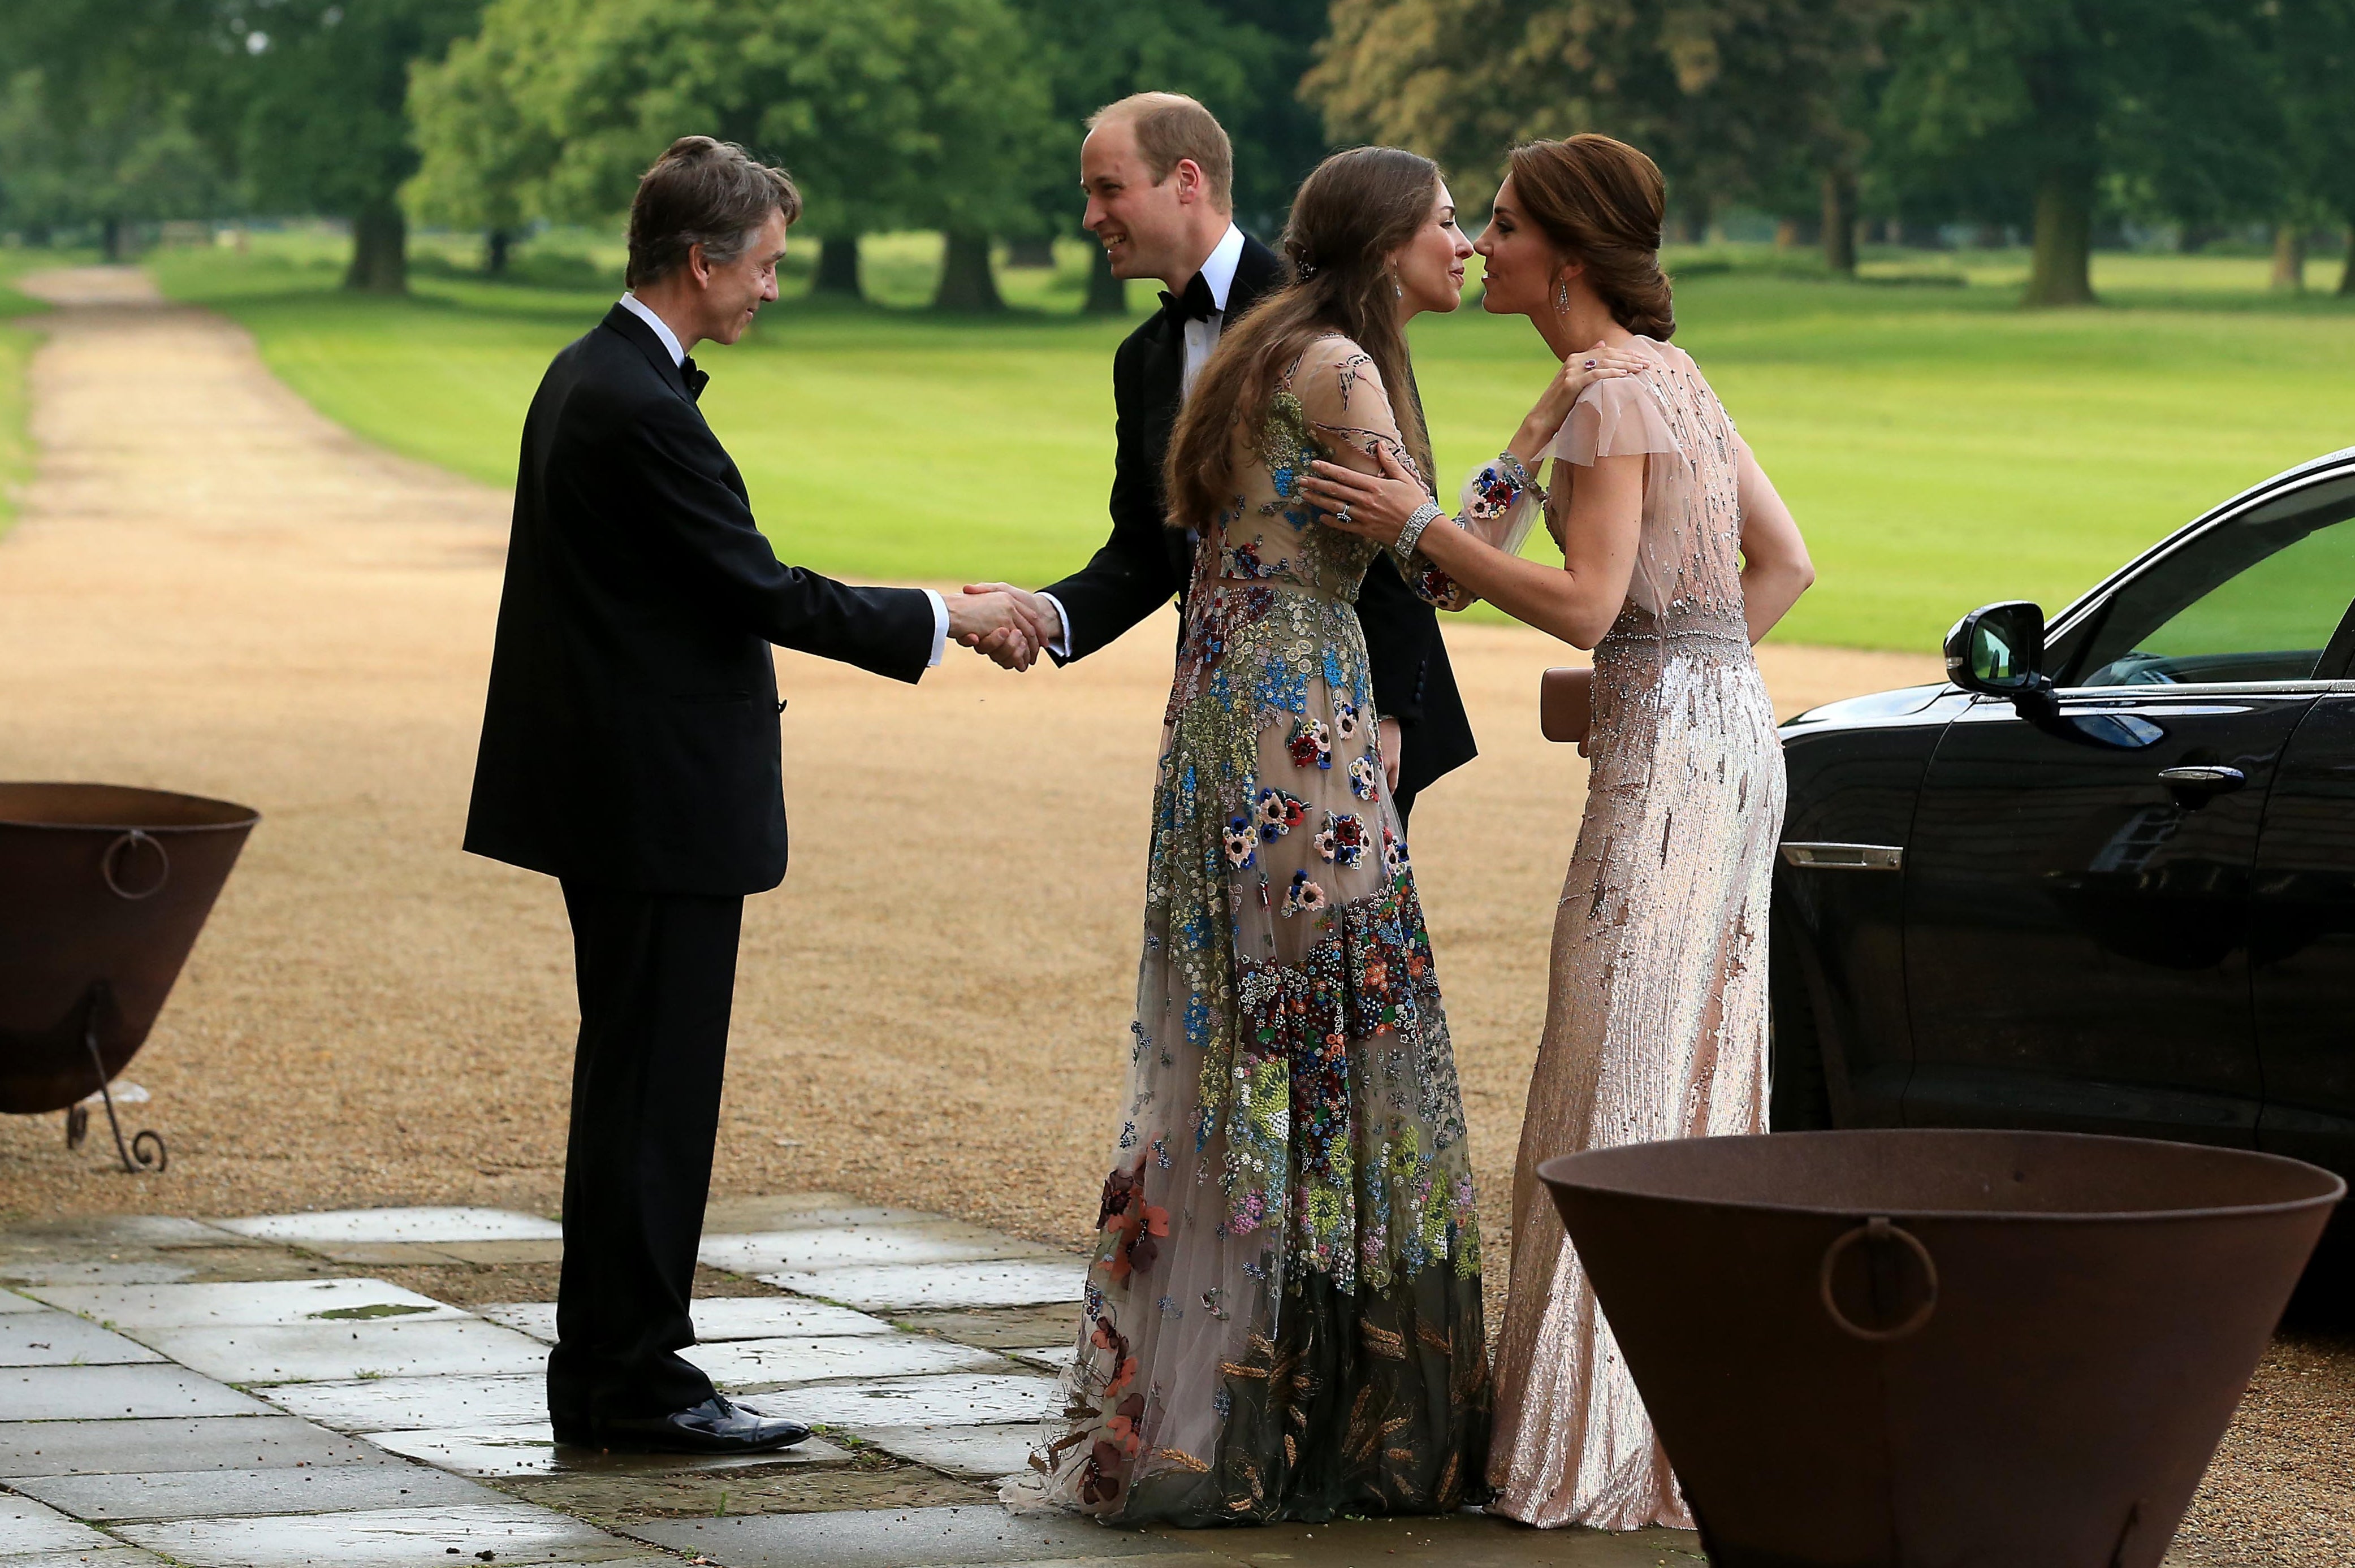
1620 417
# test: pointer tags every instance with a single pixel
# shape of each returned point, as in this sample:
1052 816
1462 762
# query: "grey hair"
703 192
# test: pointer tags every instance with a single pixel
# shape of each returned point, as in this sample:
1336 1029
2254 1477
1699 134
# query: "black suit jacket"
1146 561
630 738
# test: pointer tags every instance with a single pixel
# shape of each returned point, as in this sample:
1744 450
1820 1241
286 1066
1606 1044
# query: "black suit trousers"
656 973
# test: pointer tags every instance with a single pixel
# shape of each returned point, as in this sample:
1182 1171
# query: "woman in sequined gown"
1677 556
1282 1314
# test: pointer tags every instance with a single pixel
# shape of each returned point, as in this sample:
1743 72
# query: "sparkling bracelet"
1515 472
1420 519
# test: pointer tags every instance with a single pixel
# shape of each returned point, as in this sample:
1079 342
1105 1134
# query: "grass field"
1940 446
15 349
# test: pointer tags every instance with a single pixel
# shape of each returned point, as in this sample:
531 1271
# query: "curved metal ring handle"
1879 1229
133 839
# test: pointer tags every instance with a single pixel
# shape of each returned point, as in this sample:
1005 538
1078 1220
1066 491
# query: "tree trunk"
966 282
2347 269
111 239
1786 234
2289 258
837 267
2062 273
1840 222
380 250
1039 252
1107 295
495 246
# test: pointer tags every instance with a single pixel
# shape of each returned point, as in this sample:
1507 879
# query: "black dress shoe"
573 1431
715 1426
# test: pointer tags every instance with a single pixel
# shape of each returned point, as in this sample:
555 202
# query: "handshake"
1003 622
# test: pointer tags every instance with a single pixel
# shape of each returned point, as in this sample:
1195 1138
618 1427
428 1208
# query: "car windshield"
2258 599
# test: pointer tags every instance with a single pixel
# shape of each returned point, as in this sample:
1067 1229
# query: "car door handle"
2201 779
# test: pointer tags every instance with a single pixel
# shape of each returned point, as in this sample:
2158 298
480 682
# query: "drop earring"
1398 289
1562 297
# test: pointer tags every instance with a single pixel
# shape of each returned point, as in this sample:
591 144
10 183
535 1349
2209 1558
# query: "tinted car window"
2257 599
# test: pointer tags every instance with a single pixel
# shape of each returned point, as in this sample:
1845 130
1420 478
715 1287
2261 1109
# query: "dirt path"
211 588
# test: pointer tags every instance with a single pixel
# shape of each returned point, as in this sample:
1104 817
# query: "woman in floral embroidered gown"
1677 554
1283 1315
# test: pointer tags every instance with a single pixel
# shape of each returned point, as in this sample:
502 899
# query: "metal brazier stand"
102 890
1974 1349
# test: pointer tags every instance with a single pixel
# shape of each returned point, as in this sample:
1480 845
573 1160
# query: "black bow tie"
696 379
1194 306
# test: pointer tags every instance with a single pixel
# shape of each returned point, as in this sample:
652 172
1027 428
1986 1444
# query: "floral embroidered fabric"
1283 1313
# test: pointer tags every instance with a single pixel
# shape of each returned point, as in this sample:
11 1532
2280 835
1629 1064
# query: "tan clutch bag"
1566 704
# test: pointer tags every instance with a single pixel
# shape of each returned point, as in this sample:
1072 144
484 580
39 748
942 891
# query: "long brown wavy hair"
1351 213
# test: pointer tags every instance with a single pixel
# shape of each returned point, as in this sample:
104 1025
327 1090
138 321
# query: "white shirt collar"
1218 267
637 308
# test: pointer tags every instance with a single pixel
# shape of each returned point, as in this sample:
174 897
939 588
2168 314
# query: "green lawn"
16 350
1940 446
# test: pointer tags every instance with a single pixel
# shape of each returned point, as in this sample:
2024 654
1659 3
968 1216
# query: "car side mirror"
1994 650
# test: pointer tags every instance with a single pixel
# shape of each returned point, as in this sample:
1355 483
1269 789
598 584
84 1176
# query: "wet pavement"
244 1394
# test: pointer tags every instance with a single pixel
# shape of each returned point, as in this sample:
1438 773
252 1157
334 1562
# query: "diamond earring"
1562 297
1398 289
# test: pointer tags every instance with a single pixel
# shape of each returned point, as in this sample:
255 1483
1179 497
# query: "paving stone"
836 1247
210 1442
388 1255
416 1403
84 1271
984 1453
1000 1328
1010 1283
27 1527
895 1537
11 1302
136 1308
206 1494
335 1351
382 1538
617 1500
532 1450
750 1363
956 1400
114 1556
1052 1358
54 1338
785 1211
495 1254
1455 1541
106 1394
719 1318
414 1224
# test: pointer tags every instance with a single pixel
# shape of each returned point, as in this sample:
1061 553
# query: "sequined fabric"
1283 1312
1655 1025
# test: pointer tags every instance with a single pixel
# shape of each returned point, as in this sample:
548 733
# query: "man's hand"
994 623
1394 737
1016 646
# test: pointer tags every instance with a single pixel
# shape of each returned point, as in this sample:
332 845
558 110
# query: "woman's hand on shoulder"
1372 505
1579 371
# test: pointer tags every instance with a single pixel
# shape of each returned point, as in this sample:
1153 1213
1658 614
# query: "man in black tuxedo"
1158 171
629 749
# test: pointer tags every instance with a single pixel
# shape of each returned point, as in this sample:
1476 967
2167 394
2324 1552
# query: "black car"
2102 879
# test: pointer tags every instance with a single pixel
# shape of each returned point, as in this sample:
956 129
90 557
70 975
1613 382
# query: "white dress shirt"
637 308
1201 338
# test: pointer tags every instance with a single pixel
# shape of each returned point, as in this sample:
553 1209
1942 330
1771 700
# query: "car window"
2254 599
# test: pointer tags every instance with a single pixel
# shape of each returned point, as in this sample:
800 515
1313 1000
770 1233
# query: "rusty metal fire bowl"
1943 1349
102 890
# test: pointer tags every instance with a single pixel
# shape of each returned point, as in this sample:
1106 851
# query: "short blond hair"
1170 126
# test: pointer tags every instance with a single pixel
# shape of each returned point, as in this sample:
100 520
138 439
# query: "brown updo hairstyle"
1601 202
1350 214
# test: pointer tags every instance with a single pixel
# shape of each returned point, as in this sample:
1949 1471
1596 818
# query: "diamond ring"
1342 516
1590 364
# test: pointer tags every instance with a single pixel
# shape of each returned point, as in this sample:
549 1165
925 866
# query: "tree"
2032 104
325 127
1723 94
888 112
112 115
478 151
2316 49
